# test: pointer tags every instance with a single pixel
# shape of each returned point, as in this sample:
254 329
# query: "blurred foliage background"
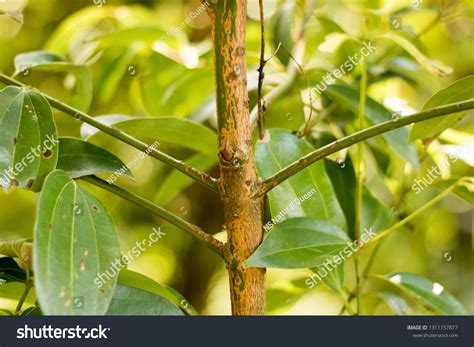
135 75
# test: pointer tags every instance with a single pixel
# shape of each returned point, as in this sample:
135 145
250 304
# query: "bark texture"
238 184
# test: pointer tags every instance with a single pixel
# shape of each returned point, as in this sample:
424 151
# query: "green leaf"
343 179
375 215
309 193
333 279
130 301
428 293
80 89
75 241
282 22
137 280
435 67
80 158
178 131
376 113
460 90
398 305
298 243
176 181
28 139
10 271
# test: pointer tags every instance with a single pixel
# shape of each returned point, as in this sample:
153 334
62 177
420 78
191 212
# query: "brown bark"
238 184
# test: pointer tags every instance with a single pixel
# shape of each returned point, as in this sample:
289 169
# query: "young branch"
359 136
261 75
203 178
190 228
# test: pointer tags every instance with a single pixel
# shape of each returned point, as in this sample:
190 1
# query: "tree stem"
201 177
190 228
238 183
359 136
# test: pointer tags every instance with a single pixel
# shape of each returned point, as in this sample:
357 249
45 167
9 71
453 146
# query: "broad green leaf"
435 67
282 24
460 90
298 243
79 158
309 193
398 305
10 271
376 113
130 301
428 293
88 131
28 139
137 280
178 131
176 181
343 180
81 86
75 242
375 215
465 190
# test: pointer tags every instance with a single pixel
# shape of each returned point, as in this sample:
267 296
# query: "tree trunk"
238 184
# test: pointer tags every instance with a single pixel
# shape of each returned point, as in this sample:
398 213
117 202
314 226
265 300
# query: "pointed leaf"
75 241
80 158
343 179
28 139
173 130
130 301
309 193
137 280
428 293
298 243
435 67
377 113
460 90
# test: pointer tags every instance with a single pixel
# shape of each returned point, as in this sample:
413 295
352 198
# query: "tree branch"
359 136
190 228
202 177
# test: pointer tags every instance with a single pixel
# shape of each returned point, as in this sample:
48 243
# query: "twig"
203 178
261 75
359 136
190 228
